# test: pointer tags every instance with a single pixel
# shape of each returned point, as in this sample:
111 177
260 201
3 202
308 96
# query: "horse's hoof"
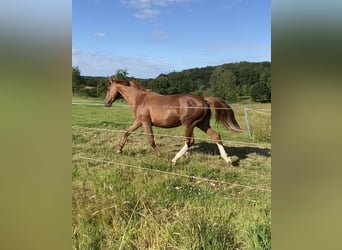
119 151
235 161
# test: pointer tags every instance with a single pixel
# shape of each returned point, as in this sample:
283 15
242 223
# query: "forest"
234 82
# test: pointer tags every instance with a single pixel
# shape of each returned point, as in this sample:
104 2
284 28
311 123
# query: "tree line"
232 82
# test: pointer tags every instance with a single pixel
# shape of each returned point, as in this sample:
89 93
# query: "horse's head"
112 93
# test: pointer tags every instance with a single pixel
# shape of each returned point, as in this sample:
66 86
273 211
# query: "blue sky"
150 37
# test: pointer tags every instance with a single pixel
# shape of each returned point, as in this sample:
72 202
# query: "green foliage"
179 83
92 81
101 88
77 80
90 91
260 92
223 84
231 81
121 74
160 84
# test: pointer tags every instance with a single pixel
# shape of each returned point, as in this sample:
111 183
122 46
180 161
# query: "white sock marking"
180 153
223 153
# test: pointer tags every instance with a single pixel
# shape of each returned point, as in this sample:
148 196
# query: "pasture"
136 200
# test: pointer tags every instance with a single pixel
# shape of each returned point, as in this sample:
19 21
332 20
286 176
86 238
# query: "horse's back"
172 110
178 100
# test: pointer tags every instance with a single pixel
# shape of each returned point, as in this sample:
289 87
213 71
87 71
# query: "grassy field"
136 200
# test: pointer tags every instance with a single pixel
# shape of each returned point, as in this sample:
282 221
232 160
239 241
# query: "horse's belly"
166 123
165 119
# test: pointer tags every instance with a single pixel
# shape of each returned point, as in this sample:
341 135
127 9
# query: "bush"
90 91
260 92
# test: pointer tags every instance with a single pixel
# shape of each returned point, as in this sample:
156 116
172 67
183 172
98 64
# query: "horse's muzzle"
108 104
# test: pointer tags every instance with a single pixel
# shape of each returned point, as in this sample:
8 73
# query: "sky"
152 37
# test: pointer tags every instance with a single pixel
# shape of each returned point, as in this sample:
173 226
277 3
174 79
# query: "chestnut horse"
169 111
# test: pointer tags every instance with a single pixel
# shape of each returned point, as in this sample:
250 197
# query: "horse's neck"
131 95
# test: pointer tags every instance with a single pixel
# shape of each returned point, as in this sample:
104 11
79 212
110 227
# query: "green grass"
136 200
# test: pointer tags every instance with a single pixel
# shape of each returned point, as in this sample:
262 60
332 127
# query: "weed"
136 200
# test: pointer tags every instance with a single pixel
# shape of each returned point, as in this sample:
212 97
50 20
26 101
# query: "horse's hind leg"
129 131
189 134
217 138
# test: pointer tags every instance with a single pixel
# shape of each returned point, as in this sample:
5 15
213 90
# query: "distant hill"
231 81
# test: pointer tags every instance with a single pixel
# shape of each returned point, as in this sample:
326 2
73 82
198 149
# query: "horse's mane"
132 83
137 85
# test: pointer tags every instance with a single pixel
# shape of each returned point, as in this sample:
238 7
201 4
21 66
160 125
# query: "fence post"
247 123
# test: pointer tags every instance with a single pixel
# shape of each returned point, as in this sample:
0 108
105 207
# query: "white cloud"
75 51
138 4
159 36
147 13
105 64
150 8
168 2
237 47
99 34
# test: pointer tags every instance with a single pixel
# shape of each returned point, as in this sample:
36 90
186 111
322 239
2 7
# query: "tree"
260 92
121 74
160 84
180 83
101 88
223 84
77 80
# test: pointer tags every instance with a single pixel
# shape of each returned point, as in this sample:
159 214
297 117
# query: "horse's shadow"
241 152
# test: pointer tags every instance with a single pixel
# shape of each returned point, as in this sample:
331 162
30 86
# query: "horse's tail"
224 113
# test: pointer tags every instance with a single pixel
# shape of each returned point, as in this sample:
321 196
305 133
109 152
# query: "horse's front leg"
148 130
129 131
